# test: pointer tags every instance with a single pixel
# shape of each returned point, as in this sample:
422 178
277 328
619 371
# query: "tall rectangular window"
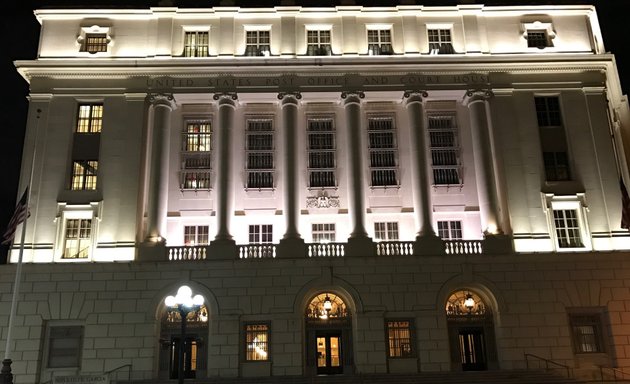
321 152
587 333
386 231
399 339
567 226
260 233
450 230
84 175
383 151
552 138
440 41
318 43
77 239
95 42
379 42
323 233
444 142
64 346
196 155
259 152
257 43
548 111
196 235
256 342
196 44
90 118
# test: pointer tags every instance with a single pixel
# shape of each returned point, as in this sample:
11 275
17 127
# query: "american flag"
20 214
625 206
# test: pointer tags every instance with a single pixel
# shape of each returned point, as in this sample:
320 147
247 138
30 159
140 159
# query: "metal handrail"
547 363
614 373
121 367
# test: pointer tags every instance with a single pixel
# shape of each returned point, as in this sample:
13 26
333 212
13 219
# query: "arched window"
193 318
466 303
326 306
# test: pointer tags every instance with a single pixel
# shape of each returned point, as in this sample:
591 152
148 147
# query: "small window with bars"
318 43
386 231
440 41
64 346
379 42
450 229
321 152
323 233
195 235
260 233
95 42
257 43
587 333
77 239
196 44
259 152
383 151
538 38
257 342
196 155
567 227
84 175
444 142
399 339
90 118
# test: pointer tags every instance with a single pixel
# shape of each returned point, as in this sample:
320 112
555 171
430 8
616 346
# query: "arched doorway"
328 335
194 344
471 332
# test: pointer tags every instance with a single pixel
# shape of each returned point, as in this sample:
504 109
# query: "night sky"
20 32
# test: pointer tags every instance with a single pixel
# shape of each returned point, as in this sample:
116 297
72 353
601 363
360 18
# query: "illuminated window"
196 44
257 43
587 333
260 233
259 152
567 225
444 142
321 153
318 43
379 42
90 118
538 38
399 339
387 231
383 151
196 155
77 239
323 233
196 235
95 42
84 175
440 41
256 342
64 346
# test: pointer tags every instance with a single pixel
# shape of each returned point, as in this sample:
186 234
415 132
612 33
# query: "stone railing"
463 247
187 253
257 251
326 249
394 248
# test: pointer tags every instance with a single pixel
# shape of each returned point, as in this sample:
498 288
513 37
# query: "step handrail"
547 363
614 373
118 368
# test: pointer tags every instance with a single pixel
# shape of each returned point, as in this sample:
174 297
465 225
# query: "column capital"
226 98
289 98
475 95
352 97
415 96
162 99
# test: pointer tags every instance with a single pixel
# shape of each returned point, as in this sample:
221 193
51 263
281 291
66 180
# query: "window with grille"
64 346
321 152
318 43
259 152
323 233
383 151
440 41
257 43
552 138
95 42
399 339
196 44
196 155
195 235
84 175
567 226
256 342
260 233
444 141
77 239
587 333
537 39
450 230
386 231
380 42
90 118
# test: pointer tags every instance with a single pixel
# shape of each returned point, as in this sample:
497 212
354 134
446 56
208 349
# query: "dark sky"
20 32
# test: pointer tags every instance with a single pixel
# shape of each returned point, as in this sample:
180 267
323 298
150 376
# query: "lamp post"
183 303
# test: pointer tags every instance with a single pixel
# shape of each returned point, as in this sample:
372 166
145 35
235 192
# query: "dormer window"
94 39
318 43
379 42
440 41
257 43
538 35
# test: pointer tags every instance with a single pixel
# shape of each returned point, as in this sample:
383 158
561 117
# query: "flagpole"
6 363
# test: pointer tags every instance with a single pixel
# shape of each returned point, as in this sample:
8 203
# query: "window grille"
64 346
257 43
383 151
321 153
77 239
587 333
399 339
259 152
84 175
90 118
444 141
256 342
318 43
95 42
537 39
440 41
196 156
196 44
379 42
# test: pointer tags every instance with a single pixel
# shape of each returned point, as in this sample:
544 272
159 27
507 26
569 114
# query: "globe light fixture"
469 303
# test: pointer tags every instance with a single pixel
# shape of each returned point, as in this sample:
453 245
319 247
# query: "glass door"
190 357
472 349
329 353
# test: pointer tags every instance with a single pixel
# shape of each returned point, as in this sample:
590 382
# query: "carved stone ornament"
162 98
231 95
296 94
322 200
407 94
481 93
359 94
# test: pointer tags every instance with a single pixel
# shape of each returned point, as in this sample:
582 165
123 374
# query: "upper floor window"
196 235
399 339
567 222
196 155
77 239
257 43
321 152
380 42
450 229
440 41
259 150
567 225
548 111
318 43
196 44
90 118
383 151
323 233
552 138
256 342
84 175
64 346
260 233
556 166
444 141
95 42
386 231
538 35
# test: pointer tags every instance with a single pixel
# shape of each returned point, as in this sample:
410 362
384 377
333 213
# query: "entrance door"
472 349
328 346
190 357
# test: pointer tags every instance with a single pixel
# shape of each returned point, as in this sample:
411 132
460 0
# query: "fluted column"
162 105
289 127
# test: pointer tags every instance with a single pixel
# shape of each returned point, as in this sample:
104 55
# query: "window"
399 339
387 231
537 39
383 151
379 42
259 150
321 153
78 239
548 111
552 138
568 233
587 333
318 43
444 141
450 230
196 44
556 166
196 235
260 233
64 346
440 41
95 42
257 43
90 118
196 155
323 233
84 175
256 342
